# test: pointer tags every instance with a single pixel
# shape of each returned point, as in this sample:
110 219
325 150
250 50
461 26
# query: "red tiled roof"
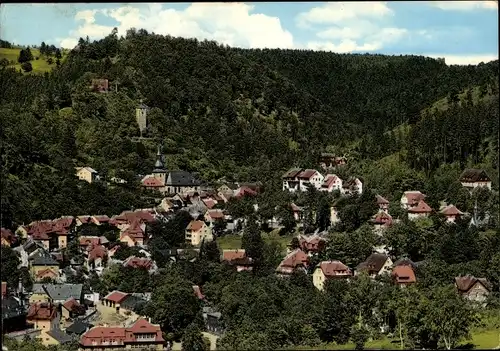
216 214
231 255
334 269
41 311
293 260
63 222
422 207
97 336
311 243
116 296
101 218
138 262
71 304
134 231
382 218
198 293
245 191
413 197
152 182
97 251
451 210
210 203
84 218
404 274
195 225
89 240
329 180
307 174
40 226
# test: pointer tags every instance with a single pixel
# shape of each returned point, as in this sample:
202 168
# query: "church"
170 182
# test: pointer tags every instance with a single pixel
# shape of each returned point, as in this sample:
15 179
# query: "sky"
462 32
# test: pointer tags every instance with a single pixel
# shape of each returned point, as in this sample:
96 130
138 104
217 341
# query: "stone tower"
141 115
160 172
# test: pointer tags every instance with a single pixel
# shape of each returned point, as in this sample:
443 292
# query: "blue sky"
463 32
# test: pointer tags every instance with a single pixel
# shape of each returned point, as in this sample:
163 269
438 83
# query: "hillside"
222 112
40 65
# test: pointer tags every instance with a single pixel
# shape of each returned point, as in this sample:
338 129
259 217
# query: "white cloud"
464 59
348 27
464 5
228 23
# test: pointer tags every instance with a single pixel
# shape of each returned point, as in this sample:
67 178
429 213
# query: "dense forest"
244 115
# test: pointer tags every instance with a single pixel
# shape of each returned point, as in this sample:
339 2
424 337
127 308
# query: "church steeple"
159 159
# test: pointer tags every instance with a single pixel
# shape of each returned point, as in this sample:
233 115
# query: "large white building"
298 179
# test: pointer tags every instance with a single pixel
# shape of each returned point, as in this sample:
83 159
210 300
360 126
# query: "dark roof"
132 302
374 262
60 336
473 175
181 178
143 106
11 308
466 282
61 291
43 258
78 327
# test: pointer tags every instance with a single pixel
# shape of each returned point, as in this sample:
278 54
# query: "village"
57 312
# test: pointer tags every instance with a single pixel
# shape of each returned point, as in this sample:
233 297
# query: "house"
197 231
56 293
473 178
140 335
334 215
312 244
88 241
473 289
78 328
100 85
254 186
298 179
13 313
71 308
328 160
381 221
44 317
87 174
375 264
352 186
403 275
331 183
63 228
97 257
383 204
213 322
228 190
114 298
140 262
330 270
451 213
8 237
133 234
43 265
244 191
169 181
294 261
211 216
237 258
422 210
411 199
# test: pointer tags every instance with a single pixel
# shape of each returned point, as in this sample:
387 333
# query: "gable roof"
404 274
152 182
116 296
413 196
292 173
181 178
422 207
473 175
451 210
71 304
138 262
373 263
334 268
381 200
41 311
231 255
293 260
60 292
43 258
216 214
97 251
195 225
307 173
78 327
382 217
465 283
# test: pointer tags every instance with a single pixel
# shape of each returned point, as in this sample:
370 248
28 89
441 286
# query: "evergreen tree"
252 241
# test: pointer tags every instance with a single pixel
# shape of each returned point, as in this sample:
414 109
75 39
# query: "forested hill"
220 111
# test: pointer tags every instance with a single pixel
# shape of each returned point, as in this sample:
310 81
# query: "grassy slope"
40 66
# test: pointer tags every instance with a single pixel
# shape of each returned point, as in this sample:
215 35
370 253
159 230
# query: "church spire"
159 159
